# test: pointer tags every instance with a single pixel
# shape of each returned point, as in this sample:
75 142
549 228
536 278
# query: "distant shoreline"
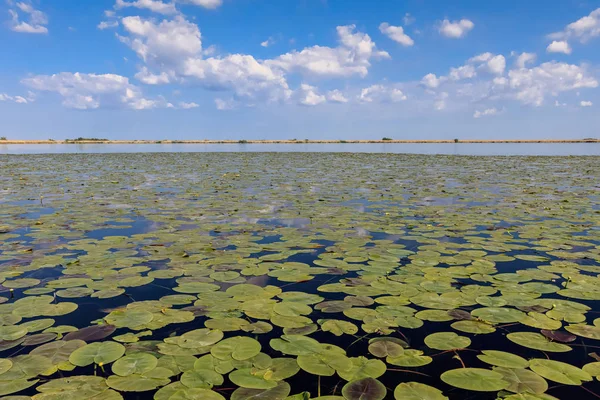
30 142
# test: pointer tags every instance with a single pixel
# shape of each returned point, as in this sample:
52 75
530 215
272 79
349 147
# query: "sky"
299 69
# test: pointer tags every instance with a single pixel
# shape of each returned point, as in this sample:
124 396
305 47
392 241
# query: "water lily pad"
135 383
201 378
136 363
15 386
99 352
129 318
447 341
338 327
361 368
537 341
503 359
296 345
239 348
417 391
560 372
364 389
587 331
476 379
410 358
522 380
279 392
251 378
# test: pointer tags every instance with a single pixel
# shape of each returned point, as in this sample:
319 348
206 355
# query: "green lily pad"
239 348
503 359
417 391
476 379
201 378
523 380
410 358
537 341
560 372
447 341
136 363
364 389
135 383
251 378
279 392
338 327
361 368
586 331
15 386
99 353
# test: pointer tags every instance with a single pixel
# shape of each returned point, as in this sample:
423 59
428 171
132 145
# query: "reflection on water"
474 149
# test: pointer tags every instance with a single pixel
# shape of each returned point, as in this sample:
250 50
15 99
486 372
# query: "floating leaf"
560 372
239 348
537 341
522 380
447 341
476 379
136 363
91 333
135 383
364 389
503 359
417 391
99 352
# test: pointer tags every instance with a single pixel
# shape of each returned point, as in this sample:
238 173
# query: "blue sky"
334 69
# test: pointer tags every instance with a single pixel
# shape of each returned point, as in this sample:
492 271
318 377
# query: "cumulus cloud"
17 99
456 29
269 42
382 94
583 29
525 58
533 85
485 113
107 24
188 106
559 47
36 19
157 6
431 81
586 103
210 4
396 33
351 57
309 96
336 96
167 41
90 91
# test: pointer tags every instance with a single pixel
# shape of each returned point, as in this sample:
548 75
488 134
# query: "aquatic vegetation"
298 276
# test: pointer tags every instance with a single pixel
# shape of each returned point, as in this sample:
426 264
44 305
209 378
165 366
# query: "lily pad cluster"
298 276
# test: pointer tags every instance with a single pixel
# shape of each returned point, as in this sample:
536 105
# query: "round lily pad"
417 391
239 348
98 352
364 389
560 372
476 379
447 341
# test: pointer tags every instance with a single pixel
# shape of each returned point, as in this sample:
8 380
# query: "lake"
299 275
475 149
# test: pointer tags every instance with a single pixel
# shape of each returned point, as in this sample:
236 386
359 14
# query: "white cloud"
188 106
269 42
36 19
408 19
157 6
210 4
350 58
559 47
463 72
432 81
147 77
243 74
17 99
440 102
225 104
336 96
165 41
485 113
456 29
90 91
525 58
583 29
107 24
380 93
533 85
396 33
497 64
309 96
586 104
